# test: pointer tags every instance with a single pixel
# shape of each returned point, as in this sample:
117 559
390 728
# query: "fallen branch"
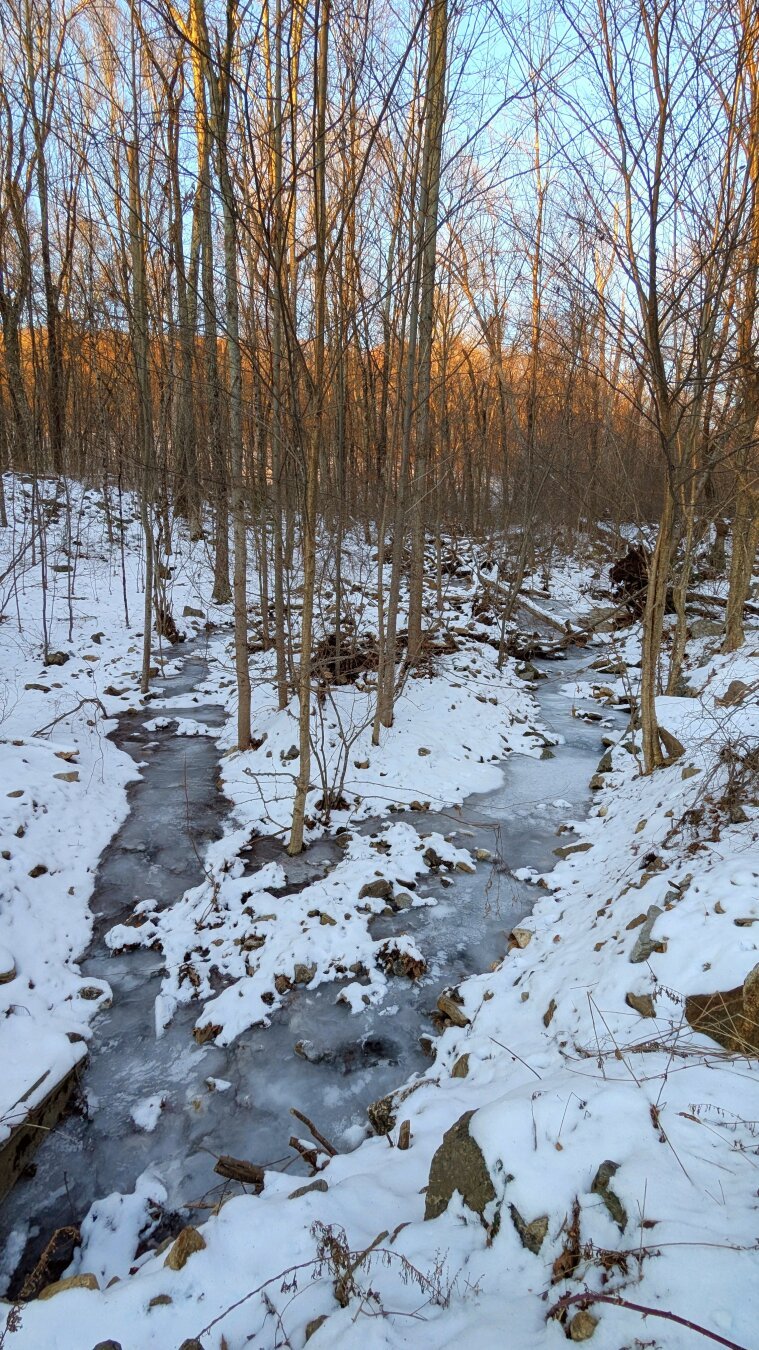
586 1299
309 1124
310 1156
236 1169
699 597
81 704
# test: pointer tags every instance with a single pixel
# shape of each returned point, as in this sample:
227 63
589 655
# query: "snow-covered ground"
612 1152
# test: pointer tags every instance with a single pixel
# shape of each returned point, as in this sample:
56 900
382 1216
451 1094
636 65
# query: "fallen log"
237 1169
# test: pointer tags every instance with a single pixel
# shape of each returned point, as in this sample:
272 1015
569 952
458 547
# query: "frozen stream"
176 809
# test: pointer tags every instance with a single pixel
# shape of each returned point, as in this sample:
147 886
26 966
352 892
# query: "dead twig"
81 704
309 1124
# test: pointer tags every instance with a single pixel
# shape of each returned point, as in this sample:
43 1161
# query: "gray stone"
643 1004
458 1165
382 1114
582 1326
318 1185
432 858
402 900
734 695
521 937
601 1187
526 671
188 1242
532 1234
452 1011
602 619
706 628
303 974
83 1281
381 889
568 849
645 944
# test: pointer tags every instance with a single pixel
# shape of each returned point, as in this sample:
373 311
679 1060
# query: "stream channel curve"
176 809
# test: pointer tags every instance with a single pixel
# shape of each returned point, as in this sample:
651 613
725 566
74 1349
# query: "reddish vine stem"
570 1300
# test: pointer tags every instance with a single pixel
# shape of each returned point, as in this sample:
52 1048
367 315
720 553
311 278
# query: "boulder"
734 694
730 1018
458 1165
707 628
57 658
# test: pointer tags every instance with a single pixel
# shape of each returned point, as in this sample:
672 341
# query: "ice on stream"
165 1107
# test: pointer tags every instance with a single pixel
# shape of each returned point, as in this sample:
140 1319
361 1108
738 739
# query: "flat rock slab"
46 1102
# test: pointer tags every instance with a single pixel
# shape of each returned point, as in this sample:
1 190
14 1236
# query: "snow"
146 1113
563 1073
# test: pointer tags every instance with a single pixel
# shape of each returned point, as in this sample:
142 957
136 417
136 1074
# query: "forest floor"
605 1184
